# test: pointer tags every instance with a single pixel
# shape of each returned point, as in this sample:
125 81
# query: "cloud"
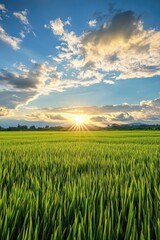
47 117
28 79
109 118
145 112
23 85
2 7
123 45
117 50
99 119
151 103
71 58
109 82
70 43
57 26
3 12
122 117
92 23
22 16
41 78
14 42
12 99
22 34
4 112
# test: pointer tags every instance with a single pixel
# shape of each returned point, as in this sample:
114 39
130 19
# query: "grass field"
84 185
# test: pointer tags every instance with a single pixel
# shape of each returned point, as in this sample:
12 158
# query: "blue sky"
59 58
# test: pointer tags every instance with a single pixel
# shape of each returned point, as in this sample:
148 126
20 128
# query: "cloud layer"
145 112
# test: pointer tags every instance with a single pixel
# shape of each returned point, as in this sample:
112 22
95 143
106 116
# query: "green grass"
66 185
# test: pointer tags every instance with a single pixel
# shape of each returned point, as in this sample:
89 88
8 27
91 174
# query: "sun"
79 123
79 120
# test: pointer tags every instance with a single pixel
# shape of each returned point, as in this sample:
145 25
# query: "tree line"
61 128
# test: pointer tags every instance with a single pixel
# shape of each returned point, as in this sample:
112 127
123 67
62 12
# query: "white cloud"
124 46
119 49
70 43
3 12
22 16
22 34
2 7
57 27
109 82
151 103
92 23
10 40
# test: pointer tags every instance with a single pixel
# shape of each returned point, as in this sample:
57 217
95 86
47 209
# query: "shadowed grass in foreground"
66 185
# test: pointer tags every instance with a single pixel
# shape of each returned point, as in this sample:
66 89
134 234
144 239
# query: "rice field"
80 185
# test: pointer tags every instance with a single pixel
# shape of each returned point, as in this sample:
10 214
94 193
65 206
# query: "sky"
91 58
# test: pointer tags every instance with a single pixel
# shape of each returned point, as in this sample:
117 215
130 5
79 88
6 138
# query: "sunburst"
79 123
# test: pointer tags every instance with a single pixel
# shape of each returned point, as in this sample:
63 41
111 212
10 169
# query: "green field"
84 185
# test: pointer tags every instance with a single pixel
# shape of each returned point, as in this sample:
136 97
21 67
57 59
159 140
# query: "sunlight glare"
79 119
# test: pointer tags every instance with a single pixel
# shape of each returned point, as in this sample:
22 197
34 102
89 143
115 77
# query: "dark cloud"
122 117
28 79
122 25
99 119
19 81
56 117
47 116
12 99
113 58
24 85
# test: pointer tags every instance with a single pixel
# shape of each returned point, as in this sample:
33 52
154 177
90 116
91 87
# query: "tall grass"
98 185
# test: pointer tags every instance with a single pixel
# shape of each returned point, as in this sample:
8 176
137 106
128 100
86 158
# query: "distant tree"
22 127
32 127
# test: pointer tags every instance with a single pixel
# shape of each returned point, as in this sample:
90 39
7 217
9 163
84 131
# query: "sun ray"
79 124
